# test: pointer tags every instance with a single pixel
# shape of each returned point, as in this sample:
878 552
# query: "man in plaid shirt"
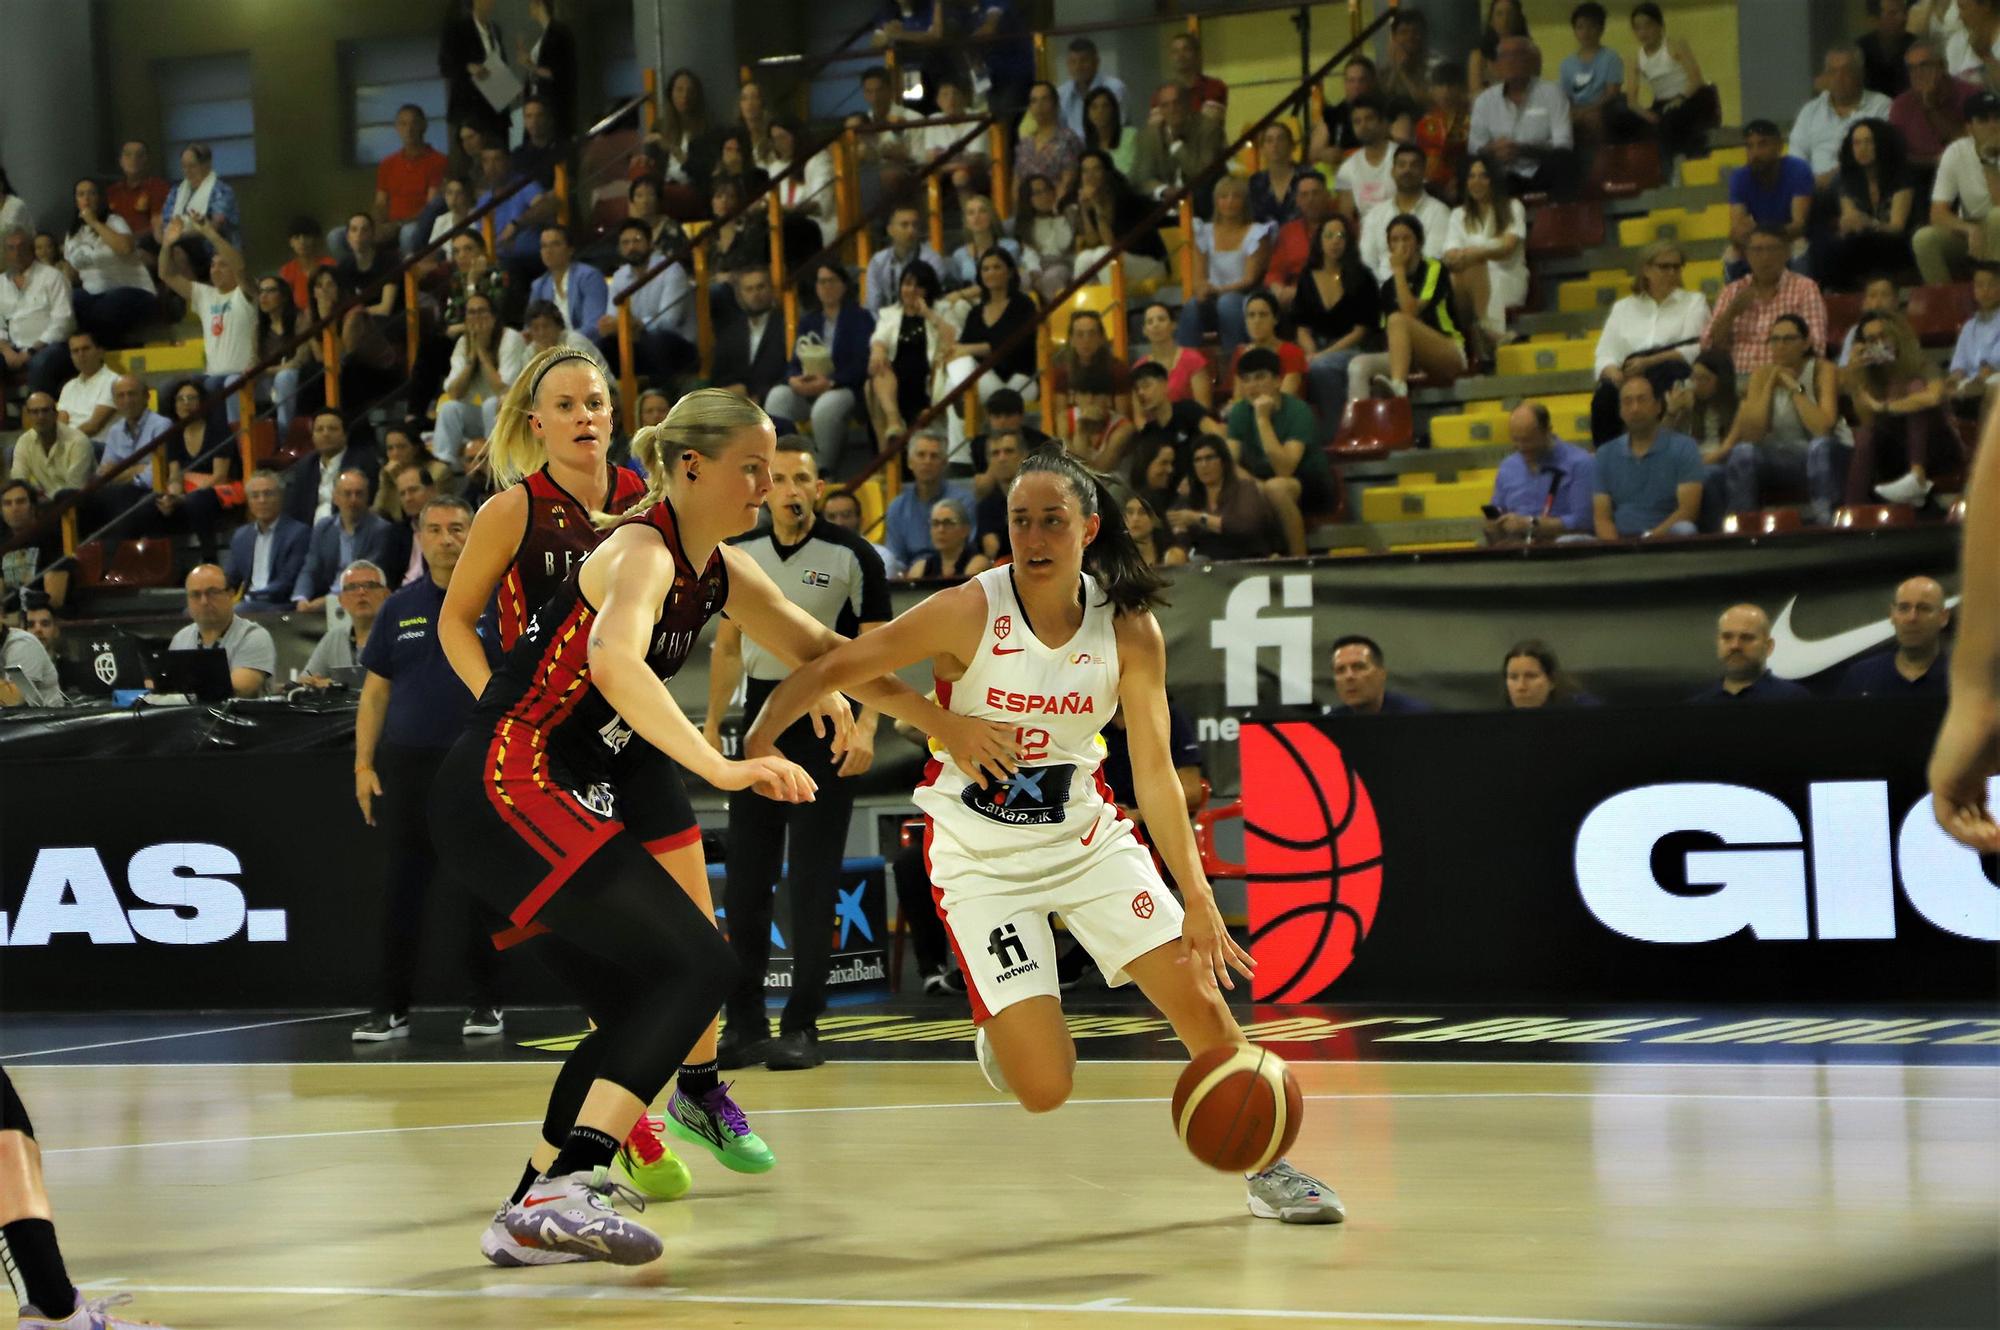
1745 309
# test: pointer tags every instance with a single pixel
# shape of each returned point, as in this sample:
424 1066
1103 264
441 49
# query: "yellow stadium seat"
1545 357
1473 429
1675 224
1593 292
1433 546
159 358
874 507
1713 169
1430 480
1569 415
1095 298
1417 503
1706 277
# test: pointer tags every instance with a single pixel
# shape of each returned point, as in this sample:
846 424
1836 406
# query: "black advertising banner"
1768 852
248 880
1633 625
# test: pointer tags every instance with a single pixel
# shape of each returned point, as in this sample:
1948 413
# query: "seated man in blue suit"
267 552
309 481
353 531
577 289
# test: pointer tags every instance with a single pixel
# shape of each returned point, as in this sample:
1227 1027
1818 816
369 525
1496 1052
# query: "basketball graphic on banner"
1314 855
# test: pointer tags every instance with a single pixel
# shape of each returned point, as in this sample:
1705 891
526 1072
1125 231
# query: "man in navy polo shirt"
1743 645
1649 479
413 708
1919 666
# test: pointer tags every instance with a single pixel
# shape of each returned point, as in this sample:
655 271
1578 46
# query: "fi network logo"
1243 631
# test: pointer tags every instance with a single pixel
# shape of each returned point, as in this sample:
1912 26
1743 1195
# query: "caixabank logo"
184 895
1313 855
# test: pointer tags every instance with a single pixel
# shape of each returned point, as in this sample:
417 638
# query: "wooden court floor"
307 1196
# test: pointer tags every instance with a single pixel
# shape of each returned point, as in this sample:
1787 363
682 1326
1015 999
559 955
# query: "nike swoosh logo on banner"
1007 651
1796 657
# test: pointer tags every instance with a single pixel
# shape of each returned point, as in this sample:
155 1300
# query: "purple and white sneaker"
500 1247
573 1214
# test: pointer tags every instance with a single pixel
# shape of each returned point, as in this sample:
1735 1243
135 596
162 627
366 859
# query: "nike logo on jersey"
1093 834
999 650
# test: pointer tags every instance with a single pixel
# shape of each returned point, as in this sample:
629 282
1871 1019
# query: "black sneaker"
1073 967
382 1026
795 1050
483 1021
743 1043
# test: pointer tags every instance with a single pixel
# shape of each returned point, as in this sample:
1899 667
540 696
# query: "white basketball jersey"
1058 699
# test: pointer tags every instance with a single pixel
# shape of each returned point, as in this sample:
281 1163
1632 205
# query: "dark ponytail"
1114 558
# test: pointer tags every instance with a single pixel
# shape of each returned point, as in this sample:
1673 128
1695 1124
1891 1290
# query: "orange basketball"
1238 1109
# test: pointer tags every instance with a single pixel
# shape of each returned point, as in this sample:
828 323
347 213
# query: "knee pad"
13 1113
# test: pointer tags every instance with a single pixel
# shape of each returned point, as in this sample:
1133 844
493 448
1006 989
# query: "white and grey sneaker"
1283 1193
574 1214
989 1064
382 1026
500 1247
483 1021
1906 488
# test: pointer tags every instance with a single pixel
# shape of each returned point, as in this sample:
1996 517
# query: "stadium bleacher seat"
1861 516
1565 228
1600 290
1374 427
1762 522
184 356
1622 170
1539 357
1682 224
1480 424
1936 313
1425 496
1843 311
1706 277
136 563
1713 169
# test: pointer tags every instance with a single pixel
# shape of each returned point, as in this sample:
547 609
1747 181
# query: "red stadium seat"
1761 522
1565 228
1621 170
607 214
1936 313
136 563
1862 516
1212 863
1843 311
1374 427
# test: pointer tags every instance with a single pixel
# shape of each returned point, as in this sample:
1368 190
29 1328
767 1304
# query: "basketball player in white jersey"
1053 644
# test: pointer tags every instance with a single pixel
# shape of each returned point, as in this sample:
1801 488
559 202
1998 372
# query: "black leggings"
646 964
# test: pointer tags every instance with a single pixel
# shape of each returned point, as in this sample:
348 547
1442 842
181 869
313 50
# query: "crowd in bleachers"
1369 252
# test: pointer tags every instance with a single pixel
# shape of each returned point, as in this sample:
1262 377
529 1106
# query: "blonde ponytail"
703 421
513 450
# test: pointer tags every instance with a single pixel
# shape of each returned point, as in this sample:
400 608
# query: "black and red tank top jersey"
544 683
557 536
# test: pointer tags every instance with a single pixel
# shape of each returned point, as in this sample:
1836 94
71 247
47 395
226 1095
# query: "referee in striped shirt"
835 576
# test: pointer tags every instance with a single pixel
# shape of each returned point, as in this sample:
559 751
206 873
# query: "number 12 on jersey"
1031 743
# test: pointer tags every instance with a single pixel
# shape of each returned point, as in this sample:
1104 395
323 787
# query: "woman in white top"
118 295
1973 52
1655 331
1229 257
807 193
1486 247
1045 232
1685 105
484 364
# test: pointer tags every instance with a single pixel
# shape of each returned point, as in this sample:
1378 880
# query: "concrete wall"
48 105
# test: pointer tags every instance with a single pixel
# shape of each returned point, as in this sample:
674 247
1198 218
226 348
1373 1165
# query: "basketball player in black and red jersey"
534 807
523 545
